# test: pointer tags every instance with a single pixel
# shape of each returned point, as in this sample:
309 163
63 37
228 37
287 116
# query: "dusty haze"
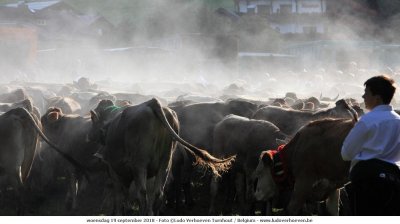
187 46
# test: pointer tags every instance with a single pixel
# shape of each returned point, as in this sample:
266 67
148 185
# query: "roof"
225 12
336 43
264 54
33 6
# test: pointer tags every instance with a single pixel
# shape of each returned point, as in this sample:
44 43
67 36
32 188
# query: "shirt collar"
383 107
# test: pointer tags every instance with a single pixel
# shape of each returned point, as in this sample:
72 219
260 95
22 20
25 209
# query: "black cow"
197 122
139 142
18 143
70 133
245 138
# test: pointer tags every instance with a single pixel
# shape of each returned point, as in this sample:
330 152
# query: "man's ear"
379 99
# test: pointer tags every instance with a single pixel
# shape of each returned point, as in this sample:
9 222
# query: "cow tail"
203 158
29 154
80 168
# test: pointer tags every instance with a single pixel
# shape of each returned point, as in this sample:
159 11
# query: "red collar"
280 170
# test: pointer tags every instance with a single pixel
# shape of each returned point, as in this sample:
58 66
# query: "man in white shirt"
373 147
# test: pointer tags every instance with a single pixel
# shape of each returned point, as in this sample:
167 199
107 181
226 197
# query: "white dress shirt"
375 135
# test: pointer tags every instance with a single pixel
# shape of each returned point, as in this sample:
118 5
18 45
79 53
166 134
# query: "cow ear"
94 116
53 116
267 158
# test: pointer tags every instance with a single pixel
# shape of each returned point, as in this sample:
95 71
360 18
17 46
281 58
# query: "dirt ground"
51 202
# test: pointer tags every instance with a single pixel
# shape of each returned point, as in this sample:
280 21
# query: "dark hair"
383 86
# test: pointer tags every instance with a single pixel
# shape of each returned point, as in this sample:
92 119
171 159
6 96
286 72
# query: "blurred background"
254 44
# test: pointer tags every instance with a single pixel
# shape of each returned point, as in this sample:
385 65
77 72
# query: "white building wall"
284 28
311 6
243 6
319 27
276 5
303 6
297 28
297 7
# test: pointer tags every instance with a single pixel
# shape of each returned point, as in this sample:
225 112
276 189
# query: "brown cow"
290 121
313 162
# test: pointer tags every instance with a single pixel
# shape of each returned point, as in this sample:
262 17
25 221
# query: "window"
41 22
251 10
263 9
309 29
285 9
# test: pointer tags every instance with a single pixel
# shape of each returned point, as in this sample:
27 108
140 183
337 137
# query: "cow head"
265 186
343 110
50 121
99 118
52 115
97 132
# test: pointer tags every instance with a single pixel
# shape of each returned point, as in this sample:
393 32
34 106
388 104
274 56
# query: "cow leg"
186 178
213 194
241 193
332 203
17 190
302 189
2 198
3 188
229 183
170 191
187 190
158 191
140 184
155 193
250 200
344 201
267 208
120 199
151 186
118 193
176 189
108 201
71 197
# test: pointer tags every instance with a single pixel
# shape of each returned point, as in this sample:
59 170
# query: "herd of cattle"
125 153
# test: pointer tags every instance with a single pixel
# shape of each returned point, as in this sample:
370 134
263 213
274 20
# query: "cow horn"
337 97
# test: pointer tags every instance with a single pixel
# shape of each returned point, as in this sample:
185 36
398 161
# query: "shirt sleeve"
354 141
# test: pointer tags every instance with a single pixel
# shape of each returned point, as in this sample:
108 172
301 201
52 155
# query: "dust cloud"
200 47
